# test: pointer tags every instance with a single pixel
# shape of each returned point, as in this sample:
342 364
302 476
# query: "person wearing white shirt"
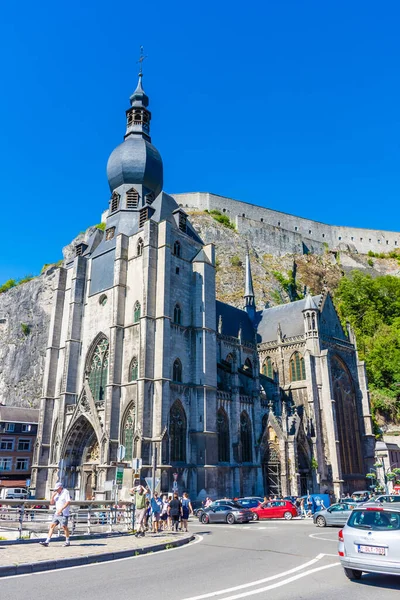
62 500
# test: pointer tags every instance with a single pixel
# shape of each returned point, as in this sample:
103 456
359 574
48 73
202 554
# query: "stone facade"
141 355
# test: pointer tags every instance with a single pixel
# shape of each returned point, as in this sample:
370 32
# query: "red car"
276 509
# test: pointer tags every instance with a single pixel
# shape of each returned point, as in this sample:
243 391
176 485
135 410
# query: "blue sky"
292 105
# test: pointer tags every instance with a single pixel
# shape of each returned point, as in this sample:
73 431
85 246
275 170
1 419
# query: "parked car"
384 498
223 501
276 509
16 494
337 514
226 513
370 541
250 501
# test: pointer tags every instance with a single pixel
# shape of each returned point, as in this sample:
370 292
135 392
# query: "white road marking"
232 527
279 584
199 538
314 536
265 580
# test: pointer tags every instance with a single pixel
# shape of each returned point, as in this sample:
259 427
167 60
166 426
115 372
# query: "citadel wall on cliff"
289 233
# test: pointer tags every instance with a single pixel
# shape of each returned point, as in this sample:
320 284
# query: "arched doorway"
80 457
271 465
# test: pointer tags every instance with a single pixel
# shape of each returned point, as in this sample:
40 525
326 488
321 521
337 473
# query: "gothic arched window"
223 436
114 201
177 249
139 247
248 366
297 367
177 314
177 432
268 368
98 369
245 437
128 427
133 369
177 371
136 312
132 198
346 418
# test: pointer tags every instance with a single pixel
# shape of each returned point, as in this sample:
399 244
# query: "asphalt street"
278 560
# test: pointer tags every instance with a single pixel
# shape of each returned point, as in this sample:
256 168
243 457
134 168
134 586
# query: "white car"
370 541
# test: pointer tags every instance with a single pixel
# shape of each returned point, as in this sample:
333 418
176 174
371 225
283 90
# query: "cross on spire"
141 59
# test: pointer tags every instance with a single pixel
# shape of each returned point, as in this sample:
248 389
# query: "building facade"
141 355
18 430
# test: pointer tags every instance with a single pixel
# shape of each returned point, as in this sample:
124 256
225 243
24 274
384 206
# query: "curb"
83 536
50 565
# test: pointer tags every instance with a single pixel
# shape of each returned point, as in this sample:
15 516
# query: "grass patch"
223 219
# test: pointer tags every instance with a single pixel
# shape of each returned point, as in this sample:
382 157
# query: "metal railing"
32 518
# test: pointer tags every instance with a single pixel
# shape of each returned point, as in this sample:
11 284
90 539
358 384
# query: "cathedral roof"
288 316
232 320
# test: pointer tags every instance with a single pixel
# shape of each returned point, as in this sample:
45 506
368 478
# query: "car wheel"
204 519
320 522
287 516
255 517
230 519
353 574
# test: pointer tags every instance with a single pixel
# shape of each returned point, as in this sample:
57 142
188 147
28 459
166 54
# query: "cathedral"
147 372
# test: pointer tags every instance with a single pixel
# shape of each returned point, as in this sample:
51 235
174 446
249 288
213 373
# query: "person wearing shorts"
62 500
156 506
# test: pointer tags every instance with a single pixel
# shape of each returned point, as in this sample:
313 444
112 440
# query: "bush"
10 283
25 328
235 261
370 262
101 226
223 219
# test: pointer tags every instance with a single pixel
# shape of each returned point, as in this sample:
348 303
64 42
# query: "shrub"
235 261
10 283
223 219
370 262
25 328
101 226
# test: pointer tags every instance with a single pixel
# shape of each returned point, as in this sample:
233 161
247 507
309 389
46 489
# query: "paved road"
276 560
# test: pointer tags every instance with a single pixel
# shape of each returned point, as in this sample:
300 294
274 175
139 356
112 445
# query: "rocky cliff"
25 310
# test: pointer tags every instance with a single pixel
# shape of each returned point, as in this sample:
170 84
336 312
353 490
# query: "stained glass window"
177 432
177 314
268 368
136 313
128 430
297 367
245 437
98 372
223 436
133 370
177 371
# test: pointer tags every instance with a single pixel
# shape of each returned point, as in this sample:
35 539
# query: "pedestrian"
139 493
164 513
186 510
309 506
169 520
303 513
207 502
156 507
175 511
62 500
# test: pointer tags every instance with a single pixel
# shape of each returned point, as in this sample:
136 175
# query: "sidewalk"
27 557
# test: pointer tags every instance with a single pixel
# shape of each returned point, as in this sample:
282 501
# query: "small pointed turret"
249 299
310 304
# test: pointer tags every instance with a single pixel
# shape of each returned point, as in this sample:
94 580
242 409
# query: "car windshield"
377 520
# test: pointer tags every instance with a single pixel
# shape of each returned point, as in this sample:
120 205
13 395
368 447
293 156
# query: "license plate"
372 550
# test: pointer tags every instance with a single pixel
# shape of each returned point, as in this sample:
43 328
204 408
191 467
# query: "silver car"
233 513
370 541
337 514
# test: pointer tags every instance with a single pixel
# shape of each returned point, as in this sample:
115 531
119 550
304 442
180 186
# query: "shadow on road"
387 582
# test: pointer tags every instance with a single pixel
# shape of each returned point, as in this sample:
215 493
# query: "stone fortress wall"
286 233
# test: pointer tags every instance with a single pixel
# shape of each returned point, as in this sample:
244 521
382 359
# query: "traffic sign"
28 482
136 464
121 453
149 482
175 486
119 476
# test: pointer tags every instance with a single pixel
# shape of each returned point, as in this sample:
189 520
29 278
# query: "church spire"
249 299
138 117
